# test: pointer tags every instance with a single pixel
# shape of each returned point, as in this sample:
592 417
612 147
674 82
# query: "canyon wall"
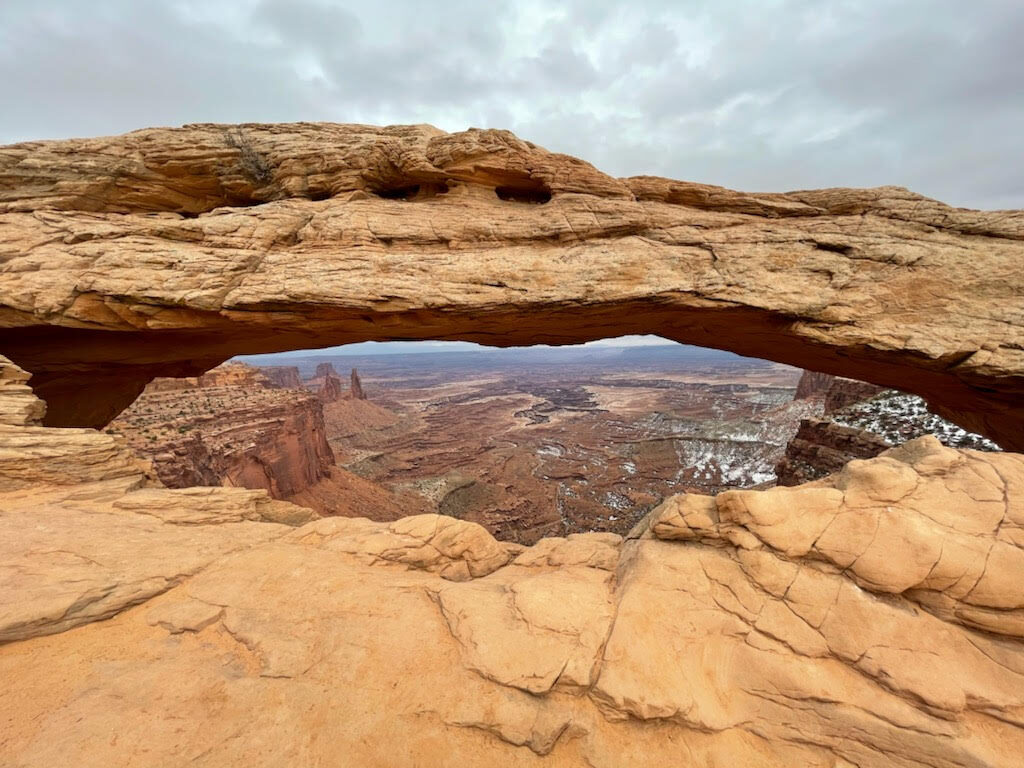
859 421
166 251
812 383
246 436
233 426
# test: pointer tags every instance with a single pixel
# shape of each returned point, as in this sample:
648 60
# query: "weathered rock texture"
874 619
251 437
166 251
18 404
812 383
228 375
86 530
843 392
233 428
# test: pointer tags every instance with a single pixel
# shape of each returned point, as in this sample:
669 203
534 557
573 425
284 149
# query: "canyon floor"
533 443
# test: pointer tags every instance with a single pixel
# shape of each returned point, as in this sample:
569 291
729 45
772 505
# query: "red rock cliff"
252 437
283 376
812 383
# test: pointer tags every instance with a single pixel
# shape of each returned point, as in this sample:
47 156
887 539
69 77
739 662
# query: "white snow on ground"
898 417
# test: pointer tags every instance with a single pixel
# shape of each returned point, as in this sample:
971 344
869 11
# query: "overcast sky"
762 95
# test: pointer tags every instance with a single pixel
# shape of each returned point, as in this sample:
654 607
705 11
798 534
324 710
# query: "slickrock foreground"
166 251
874 618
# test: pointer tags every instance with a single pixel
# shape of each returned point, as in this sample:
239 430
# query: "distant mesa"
283 376
325 369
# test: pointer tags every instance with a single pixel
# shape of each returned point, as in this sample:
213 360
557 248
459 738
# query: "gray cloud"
772 94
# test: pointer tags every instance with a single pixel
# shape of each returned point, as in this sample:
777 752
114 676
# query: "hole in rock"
535 193
527 441
410 191
833 247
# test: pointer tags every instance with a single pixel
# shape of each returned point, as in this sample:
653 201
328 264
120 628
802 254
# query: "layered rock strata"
166 251
272 439
234 427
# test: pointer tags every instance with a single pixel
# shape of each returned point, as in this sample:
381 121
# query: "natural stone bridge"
166 251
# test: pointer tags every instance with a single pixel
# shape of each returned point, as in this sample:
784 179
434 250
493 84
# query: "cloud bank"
765 95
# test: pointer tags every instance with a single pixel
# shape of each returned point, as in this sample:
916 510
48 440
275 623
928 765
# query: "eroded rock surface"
875 618
166 251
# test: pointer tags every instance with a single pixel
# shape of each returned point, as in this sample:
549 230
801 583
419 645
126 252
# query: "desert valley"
526 442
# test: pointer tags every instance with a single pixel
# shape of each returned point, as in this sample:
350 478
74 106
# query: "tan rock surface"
20 407
834 624
166 251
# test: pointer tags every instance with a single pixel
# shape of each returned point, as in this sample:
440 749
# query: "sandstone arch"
166 251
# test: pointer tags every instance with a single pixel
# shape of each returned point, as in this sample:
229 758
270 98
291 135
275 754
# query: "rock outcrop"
87 530
235 428
812 383
859 422
821 447
18 404
872 619
355 390
166 251
843 392
228 375
330 389
250 437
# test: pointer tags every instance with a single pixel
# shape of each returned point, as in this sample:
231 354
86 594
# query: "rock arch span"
165 251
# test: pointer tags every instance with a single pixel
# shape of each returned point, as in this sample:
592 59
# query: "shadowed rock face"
166 251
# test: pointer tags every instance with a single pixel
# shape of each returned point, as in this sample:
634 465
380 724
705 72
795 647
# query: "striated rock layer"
232 427
874 618
166 251
244 436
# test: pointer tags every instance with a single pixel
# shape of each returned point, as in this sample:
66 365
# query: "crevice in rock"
529 191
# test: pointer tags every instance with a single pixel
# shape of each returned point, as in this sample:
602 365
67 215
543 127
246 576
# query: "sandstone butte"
871 618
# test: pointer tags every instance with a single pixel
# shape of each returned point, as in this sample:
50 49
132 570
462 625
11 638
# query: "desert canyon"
811 559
